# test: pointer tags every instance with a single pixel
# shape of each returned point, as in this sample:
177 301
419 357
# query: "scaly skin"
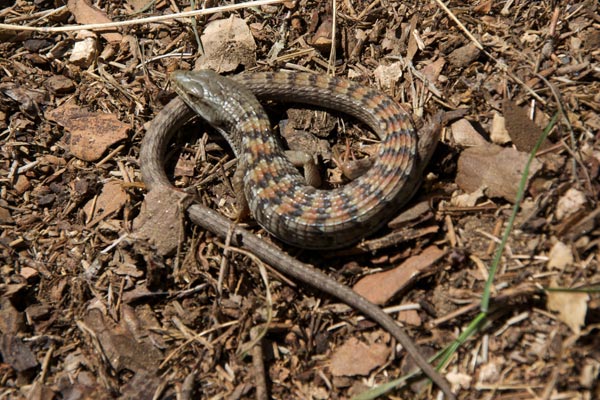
277 195
391 181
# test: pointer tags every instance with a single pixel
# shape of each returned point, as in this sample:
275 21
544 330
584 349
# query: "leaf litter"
70 201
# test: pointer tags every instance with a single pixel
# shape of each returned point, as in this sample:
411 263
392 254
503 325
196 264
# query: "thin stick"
138 21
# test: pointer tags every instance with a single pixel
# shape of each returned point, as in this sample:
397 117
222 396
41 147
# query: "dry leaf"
571 307
139 5
498 132
84 52
459 380
185 167
357 358
159 221
495 168
5 217
467 199
227 43
465 135
464 56
16 353
523 132
560 256
491 371
570 203
379 288
122 349
414 211
112 198
590 374
410 317
90 133
322 38
388 75
483 7
433 70
85 13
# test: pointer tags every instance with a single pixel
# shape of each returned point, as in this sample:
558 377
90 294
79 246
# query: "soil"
90 310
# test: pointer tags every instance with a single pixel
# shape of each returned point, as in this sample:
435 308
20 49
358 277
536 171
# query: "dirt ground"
89 309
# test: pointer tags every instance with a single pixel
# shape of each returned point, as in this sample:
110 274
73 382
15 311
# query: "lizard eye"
195 91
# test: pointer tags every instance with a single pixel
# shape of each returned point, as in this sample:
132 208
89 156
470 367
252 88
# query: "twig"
332 51
138 21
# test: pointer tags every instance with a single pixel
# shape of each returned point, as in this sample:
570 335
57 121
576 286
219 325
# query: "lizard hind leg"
298 158
243 210
312 175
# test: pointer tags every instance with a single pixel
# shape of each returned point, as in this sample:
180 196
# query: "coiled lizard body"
278 198
308 217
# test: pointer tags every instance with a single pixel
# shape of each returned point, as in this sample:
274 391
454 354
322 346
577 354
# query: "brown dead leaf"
139 5
522 130
16 353
495 168
560 256
159 221
112 198
379 288
483 7
467 199
120 346
322 38
415 211
465 135
29 100
490 372
410 317
571 307
85 13
5 217
357 358
433 70
227 43
22 185
590 372
12 320
29 273
387 76
185 166
498 132
84 52
143 385
90 133
414 45
570 203
59 85
459 380
464 56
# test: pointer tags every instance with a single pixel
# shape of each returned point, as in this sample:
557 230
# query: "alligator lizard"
278 198
275 191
